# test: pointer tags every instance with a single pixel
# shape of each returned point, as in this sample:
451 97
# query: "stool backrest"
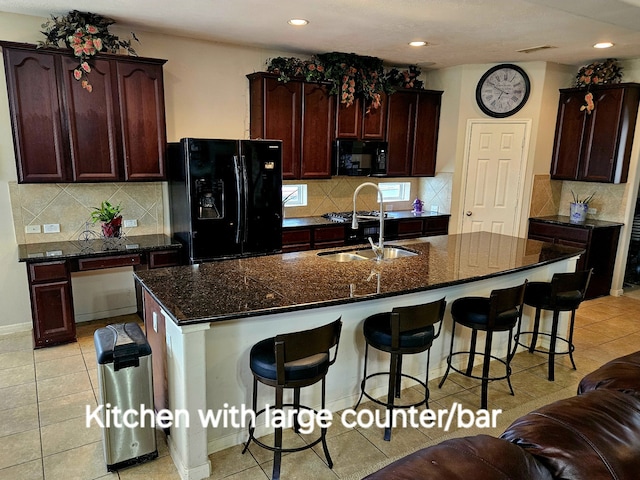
416 317
297 345
570 282
505 299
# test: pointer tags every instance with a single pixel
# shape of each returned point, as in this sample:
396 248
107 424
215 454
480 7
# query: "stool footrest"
461 372
571 347
393 405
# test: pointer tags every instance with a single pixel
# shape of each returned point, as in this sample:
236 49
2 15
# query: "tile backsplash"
70 206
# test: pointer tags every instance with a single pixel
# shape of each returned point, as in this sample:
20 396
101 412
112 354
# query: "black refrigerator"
226 197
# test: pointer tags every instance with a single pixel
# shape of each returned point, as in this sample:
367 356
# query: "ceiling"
458 31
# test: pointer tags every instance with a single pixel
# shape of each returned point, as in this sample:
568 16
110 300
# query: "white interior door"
495 158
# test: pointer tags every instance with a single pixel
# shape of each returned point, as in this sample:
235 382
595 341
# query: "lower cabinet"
51 303
296 239
155 330
327 237
600 245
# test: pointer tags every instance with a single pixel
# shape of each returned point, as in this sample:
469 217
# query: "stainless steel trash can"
126 385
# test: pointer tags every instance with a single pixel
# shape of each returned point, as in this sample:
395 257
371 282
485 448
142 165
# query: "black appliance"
226 197
368 225
358 158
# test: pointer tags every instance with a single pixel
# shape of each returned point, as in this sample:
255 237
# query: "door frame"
523 168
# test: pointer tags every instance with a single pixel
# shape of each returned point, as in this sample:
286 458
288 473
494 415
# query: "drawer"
437 225
564 232
407 227
165 258
108 262
46 272
325 234
294 237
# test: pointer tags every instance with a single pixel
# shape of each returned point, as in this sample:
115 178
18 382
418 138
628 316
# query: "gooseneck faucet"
377 249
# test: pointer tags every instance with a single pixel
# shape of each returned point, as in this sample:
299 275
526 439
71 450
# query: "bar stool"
404 330
293 360
498 313
564 293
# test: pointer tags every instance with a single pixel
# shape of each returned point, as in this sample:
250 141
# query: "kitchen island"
202 320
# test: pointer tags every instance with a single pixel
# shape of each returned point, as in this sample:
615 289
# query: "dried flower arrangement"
86 34
350 75
599 73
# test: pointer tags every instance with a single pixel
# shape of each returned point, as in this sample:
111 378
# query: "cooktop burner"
342 217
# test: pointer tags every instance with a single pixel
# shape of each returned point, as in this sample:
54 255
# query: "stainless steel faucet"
377 249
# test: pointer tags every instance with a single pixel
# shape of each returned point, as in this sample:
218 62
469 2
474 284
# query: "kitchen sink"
366 254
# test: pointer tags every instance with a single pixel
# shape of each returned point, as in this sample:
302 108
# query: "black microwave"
358 158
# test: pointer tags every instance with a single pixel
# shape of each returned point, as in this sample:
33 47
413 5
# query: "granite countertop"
270 284
66 250
565 220
313 221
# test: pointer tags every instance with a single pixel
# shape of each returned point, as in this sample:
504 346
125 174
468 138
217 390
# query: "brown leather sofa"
594 435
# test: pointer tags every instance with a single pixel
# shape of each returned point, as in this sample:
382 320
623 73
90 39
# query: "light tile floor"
44 394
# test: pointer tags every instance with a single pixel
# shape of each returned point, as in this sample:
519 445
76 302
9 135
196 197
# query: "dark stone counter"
565 220
72 249
313 221
270 284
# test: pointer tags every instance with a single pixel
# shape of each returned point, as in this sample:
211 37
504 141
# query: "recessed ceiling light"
603 45
298 22
418 43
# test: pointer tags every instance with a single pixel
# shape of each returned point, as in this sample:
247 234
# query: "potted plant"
110 217
579 208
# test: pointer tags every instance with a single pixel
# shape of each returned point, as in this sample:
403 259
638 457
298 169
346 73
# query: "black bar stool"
498 313
293 360
564 293
404 330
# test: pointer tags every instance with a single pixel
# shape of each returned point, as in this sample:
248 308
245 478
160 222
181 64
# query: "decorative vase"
112 229
578 212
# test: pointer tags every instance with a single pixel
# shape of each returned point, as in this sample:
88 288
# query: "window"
395 191
294 195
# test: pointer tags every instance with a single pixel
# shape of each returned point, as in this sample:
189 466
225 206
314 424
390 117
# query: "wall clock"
503 90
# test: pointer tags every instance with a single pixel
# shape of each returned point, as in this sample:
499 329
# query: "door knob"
468 213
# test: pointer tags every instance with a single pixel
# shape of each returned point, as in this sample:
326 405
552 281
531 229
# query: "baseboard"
616 292
15 328
87 317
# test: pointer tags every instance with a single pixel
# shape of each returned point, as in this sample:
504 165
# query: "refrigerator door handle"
239 199
245 198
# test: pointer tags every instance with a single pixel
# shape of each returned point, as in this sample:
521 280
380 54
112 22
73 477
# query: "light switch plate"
434 209
51 228
32 229
592 211
130 223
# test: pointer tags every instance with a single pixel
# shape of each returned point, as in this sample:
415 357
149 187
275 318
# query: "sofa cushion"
480 457
620 374
594 435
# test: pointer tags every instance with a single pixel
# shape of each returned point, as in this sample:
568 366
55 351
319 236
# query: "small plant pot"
578 212
113 228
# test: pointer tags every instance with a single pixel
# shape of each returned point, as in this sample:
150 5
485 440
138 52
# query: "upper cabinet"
302 115
413 119
355 122
595 146
63 133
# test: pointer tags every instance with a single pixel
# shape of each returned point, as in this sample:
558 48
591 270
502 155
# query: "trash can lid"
118 342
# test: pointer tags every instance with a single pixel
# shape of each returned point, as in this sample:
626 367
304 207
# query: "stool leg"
485 369
453 335
472 351
255 401
324 429
426 381
364 379
399 377
296 406
509 357
277 453
393 371
571 347
552 345
536 327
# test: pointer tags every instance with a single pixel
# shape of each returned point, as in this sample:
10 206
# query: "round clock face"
503 90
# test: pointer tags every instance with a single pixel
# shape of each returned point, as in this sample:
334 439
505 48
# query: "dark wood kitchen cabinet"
595 146
299 113
413 120
63 133
360 122
600 244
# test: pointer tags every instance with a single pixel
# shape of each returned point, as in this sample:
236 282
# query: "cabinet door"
567 147
601 137
317 131
400 131
356 123
349 119
426 134
374 122
142 119
35 106
92 122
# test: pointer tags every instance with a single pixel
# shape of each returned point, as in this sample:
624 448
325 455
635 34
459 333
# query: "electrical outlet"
32 229
592 211
51 228
130 223
434 209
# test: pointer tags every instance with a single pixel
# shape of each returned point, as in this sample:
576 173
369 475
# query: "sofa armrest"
620 374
